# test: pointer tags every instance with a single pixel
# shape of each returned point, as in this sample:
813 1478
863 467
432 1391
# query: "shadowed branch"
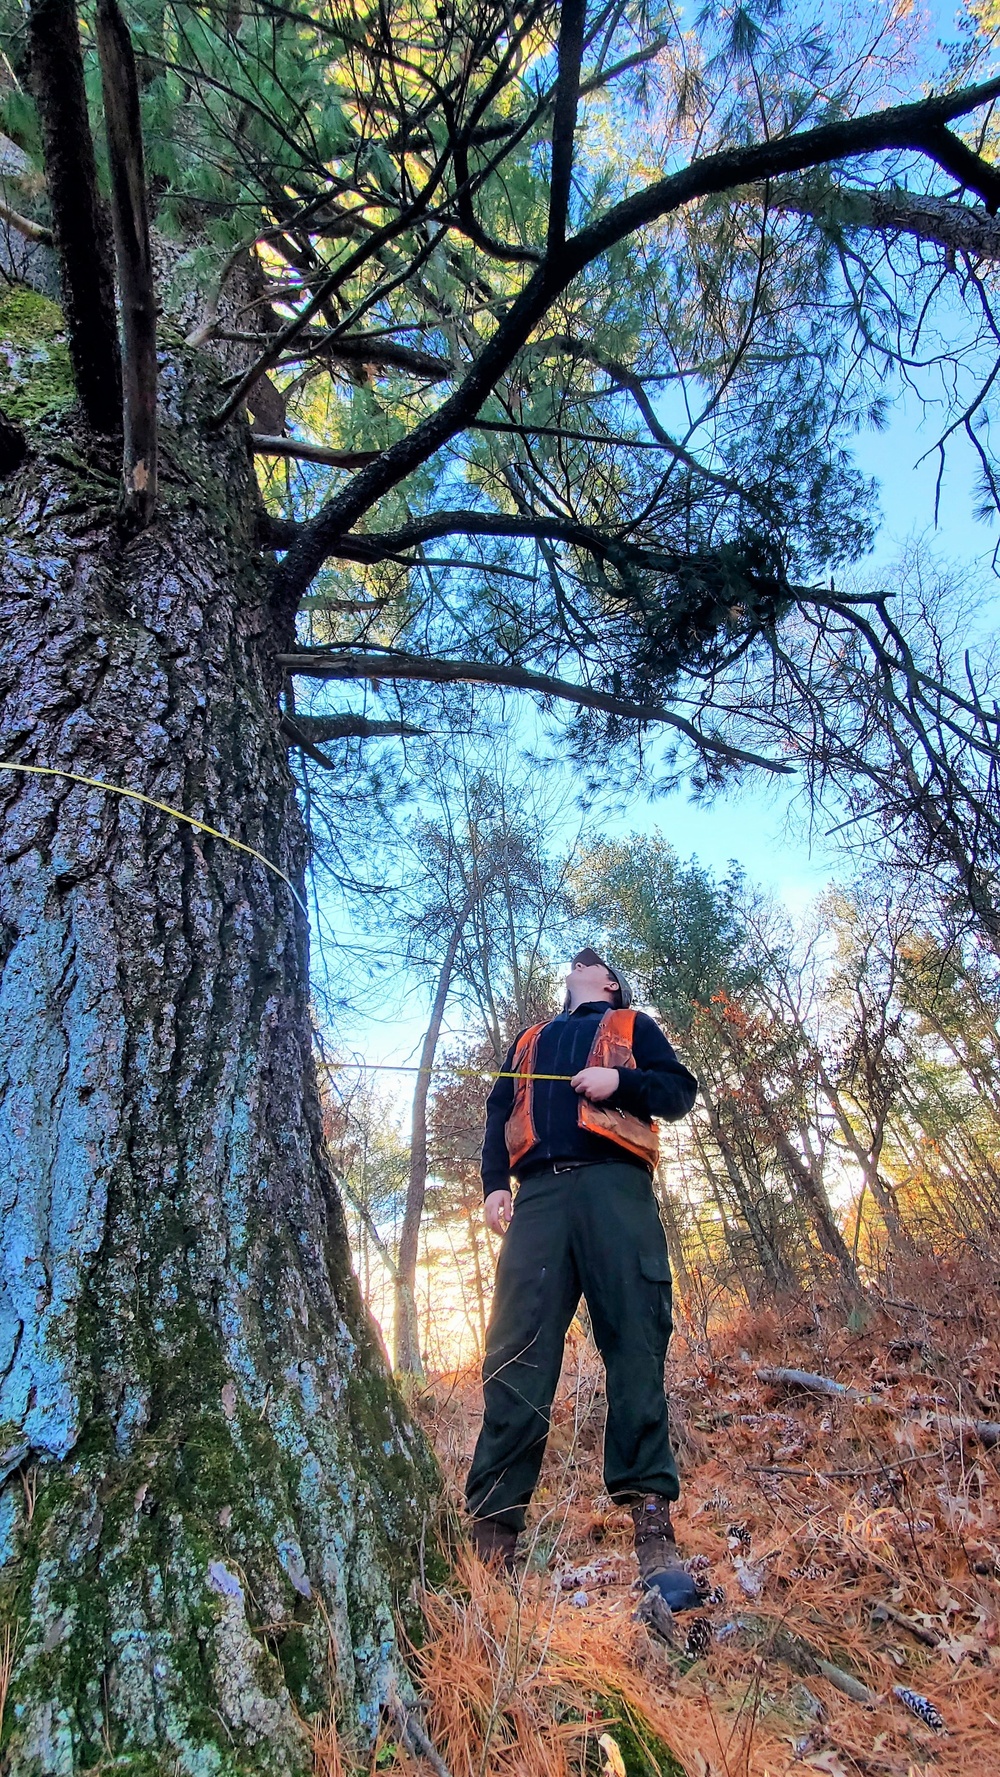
324 663
78 229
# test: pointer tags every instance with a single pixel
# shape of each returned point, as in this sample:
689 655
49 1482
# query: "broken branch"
123 124
987 1431
266 446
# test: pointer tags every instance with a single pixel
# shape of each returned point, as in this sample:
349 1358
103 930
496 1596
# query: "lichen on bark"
210 1493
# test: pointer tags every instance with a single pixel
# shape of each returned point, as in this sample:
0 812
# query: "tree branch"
348 726
32 231
968 168
295 737
567 98
529 431
77 221
365 1213
329 663
266 446
938 219
360 348
390 545
902 126
378 239
123 124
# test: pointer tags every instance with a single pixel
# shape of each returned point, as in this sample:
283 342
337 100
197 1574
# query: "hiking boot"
494 1543
660 1567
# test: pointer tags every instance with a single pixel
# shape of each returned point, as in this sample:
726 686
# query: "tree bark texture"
209 1490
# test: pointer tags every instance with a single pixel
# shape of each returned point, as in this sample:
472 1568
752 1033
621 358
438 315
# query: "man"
584 1221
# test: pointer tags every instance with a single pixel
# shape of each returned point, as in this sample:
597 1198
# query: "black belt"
557 1166
565 1166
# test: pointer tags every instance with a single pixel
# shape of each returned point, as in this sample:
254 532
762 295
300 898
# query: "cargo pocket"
655 1268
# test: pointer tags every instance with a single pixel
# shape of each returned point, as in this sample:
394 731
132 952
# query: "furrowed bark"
77 220
123 124
209 1491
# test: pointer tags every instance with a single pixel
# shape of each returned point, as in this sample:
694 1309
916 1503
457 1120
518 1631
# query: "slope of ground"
849 1547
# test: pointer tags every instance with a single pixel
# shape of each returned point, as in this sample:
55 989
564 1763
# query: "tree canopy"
556 321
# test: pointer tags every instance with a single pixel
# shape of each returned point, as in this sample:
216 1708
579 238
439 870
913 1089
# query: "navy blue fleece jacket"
658 1086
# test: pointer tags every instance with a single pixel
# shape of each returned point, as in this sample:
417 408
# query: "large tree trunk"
210 1492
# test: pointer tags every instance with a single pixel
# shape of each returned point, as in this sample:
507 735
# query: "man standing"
585 1222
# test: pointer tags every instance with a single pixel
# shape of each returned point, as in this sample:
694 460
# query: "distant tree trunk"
805 1181
228 1491
473 1219
772 1262
675 1243
803 1177
407 1358
868 1162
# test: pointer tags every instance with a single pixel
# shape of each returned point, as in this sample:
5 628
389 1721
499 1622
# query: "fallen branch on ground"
986 1430
414 1735
773 1642
815 1384
887 1613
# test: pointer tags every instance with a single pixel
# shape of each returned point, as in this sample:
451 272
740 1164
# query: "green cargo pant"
593 1230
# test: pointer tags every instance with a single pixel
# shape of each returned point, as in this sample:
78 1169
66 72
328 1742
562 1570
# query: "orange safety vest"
612 1047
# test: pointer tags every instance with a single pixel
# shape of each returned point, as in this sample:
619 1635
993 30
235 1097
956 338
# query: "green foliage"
674 926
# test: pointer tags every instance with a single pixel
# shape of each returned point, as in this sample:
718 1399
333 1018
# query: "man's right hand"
498 1207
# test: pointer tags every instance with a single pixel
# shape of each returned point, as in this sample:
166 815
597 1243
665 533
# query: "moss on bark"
36 381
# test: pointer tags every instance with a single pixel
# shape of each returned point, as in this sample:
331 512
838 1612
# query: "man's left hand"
595 1083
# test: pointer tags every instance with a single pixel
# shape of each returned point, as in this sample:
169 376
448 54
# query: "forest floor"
863 1533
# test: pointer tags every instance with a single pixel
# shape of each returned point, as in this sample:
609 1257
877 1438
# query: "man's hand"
499 1206
595 1083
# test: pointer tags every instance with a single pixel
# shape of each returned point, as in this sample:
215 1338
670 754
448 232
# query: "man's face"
590 981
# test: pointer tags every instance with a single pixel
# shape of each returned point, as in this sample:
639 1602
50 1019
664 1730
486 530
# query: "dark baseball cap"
590 957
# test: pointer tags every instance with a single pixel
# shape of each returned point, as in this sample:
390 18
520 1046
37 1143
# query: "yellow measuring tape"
98 783
442 1067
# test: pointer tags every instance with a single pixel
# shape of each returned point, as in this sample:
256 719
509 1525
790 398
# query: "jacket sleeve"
496 1160
659 1085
